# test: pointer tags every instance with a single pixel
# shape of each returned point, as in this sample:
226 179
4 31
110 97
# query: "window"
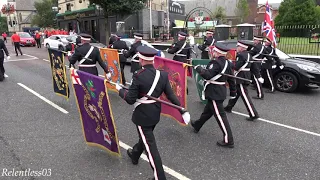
68 7
86 27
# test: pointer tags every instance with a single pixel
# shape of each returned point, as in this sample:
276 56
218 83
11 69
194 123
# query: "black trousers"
243 92
38 43
122 65
147 142
2 71
5 39
216 108
269 73
17 48
258 87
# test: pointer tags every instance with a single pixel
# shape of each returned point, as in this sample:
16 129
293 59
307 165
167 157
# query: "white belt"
87 65
207 83
134 60
180 55
120 53
142 101
246 69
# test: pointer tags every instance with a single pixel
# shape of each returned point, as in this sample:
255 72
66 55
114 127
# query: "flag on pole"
111 56
268 27
198 78
58 69
95 111
177 74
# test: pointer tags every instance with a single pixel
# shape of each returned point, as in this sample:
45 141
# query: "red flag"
268 27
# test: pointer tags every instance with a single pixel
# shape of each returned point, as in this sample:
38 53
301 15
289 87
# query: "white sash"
144 100
244 66
213 80
178 52
87 55
133 58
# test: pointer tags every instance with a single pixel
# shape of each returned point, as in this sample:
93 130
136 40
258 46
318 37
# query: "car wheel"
47 45
286 82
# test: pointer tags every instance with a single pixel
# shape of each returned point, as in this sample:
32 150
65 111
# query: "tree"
242 10
3 25
119 7
220 14
45 16
297 12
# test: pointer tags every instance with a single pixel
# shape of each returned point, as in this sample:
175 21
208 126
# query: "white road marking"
279 124
30 56
166 169
6 76
43 98
20 60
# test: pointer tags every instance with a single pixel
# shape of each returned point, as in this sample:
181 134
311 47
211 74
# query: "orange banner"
111 56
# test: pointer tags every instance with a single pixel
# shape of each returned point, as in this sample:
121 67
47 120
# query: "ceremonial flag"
59 77
268 26
111 56
95 111
177 73
198 79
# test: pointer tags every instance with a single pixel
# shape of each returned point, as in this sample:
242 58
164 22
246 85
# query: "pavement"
36 136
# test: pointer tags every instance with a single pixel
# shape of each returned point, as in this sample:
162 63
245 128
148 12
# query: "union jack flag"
268 27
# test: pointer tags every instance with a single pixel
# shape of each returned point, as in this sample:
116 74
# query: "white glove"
8 57
118 87
232 97
109 76
281 67
186 117
274 66
196 66
261 80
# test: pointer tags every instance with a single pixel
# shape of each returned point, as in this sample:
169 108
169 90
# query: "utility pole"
150 14
168 21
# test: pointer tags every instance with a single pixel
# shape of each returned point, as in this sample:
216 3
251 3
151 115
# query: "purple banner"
95 111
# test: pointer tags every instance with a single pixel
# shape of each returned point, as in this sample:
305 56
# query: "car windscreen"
24 35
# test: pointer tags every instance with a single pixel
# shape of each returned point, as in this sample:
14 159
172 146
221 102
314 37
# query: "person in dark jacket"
208 41
242 69
88 56
113 38
146 115
135 65
215 92
121 46
257 52
3 50
271 63
181 49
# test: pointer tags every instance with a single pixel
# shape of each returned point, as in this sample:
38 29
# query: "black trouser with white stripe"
258 86
270 77
216 108
243 92
147 142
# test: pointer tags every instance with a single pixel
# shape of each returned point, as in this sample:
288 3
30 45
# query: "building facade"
79 15
21 18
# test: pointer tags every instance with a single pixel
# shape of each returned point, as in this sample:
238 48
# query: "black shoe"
223 144
129 152
194 129
270 91
227 109
256 97
17 55
252 118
